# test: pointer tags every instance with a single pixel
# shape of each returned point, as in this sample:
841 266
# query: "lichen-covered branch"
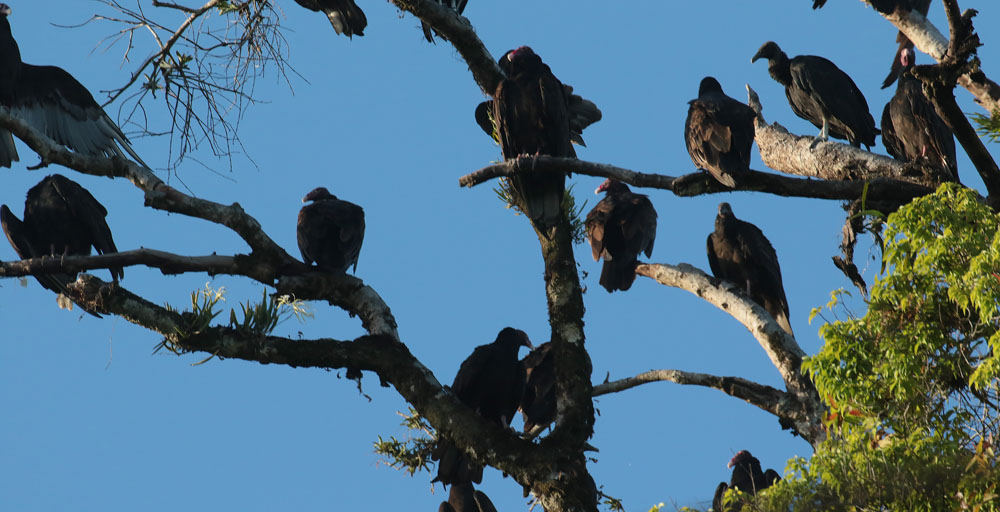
780 347
167 262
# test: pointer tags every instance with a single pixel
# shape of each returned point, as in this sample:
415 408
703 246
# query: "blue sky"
90 419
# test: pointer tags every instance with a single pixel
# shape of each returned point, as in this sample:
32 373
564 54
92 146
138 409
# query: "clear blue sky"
91 420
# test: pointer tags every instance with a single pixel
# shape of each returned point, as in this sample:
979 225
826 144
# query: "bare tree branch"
764 397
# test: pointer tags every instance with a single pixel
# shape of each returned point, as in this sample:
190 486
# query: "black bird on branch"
54 103
911 127
61 218
456 5
620 226
345 16
882 6
330 231
747 477
819 92
739 252
538 405
491 382
464 498
719 133
531 117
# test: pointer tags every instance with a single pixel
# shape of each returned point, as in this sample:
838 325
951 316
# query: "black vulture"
739 252
747 477
345 16
54 103
538 406
531 114
911 127
330 231
620 226
719 132
61 218
491 382
822 94
456 5
464 498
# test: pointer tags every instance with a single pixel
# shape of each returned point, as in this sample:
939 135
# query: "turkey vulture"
345 16
719 132
739 252
491 382
330 231
620 226
822 94
921 6
464 498
54 103
456 5
531 113
747 477
911 127
61 218
538 406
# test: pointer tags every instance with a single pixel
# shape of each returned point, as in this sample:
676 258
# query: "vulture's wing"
706 139
89 212
483 502
596 223
486 120
889 139
639 225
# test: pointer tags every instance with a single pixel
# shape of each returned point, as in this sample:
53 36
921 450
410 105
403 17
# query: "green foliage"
412 454
989 126
912 386
576 215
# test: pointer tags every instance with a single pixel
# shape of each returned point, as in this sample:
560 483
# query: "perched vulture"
538 406
531 114
330 231
464 498
456 5
822 94
491 382
719 132
747 477
911 127
739 252
921 6
882 6
345 16
61 218
54 103
621 226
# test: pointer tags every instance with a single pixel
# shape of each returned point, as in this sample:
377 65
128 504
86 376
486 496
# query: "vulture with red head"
531 116
739 252
620 226
330 231
911 127
819 92
491 382
538 406
61 218
719 132
54 103
747 477
345 16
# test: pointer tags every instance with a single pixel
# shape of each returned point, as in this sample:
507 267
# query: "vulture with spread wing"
620 226
345 16
531 114
739 252
819 92
61 218
747 477
538 406
330 231
54 103
719 132
491 382
911 127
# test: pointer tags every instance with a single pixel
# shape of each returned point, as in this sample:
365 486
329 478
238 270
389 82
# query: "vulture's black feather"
61 218
491 382
719 133
345 16
819 92
330 231
747 477
739 252
54 103
538 406
456 5
620 227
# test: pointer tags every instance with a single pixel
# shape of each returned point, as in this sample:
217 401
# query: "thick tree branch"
780 347
168 263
